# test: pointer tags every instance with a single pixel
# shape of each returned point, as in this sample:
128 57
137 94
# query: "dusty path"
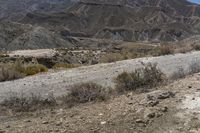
58 82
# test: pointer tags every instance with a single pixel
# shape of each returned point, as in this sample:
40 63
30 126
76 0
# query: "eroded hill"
20 36
16 9
130 20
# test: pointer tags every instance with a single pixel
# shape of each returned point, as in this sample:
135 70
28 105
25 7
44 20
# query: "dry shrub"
33 69
86 92
11 71
164 50
23 103
29 69
7 72
148 76
64 65
196 47
112 57
133 51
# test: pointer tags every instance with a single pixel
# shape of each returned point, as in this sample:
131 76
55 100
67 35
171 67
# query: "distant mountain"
16 9
130 20
54 22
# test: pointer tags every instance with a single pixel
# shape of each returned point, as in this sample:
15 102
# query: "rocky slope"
19 36
129 20
16 9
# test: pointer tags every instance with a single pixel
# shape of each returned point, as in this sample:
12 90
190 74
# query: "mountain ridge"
139 20
124 20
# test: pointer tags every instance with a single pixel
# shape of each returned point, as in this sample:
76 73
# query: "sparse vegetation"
65 65
113 57
148 76
196 47
7 72
132 51
23 103
80 93
86 92
164 50
11 71
28 69
33 69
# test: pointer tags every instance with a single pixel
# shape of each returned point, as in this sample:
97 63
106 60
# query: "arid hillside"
136 20
16 9
21 36
78 23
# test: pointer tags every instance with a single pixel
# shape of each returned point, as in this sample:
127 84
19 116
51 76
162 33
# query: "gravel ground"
173 108
59 82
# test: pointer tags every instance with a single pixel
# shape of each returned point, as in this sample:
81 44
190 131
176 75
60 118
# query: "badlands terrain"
111 66
67 23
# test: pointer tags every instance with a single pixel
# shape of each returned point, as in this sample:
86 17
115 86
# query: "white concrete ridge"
59 82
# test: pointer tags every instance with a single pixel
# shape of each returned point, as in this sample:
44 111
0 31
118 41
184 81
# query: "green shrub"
86 92
148 76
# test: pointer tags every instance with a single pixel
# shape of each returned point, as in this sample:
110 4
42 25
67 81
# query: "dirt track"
59 81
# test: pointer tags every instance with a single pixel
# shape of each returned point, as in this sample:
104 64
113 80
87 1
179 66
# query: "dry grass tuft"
11 71
196 47
23 103
7 72
148 76
164 50
65 65
33 69
86 92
